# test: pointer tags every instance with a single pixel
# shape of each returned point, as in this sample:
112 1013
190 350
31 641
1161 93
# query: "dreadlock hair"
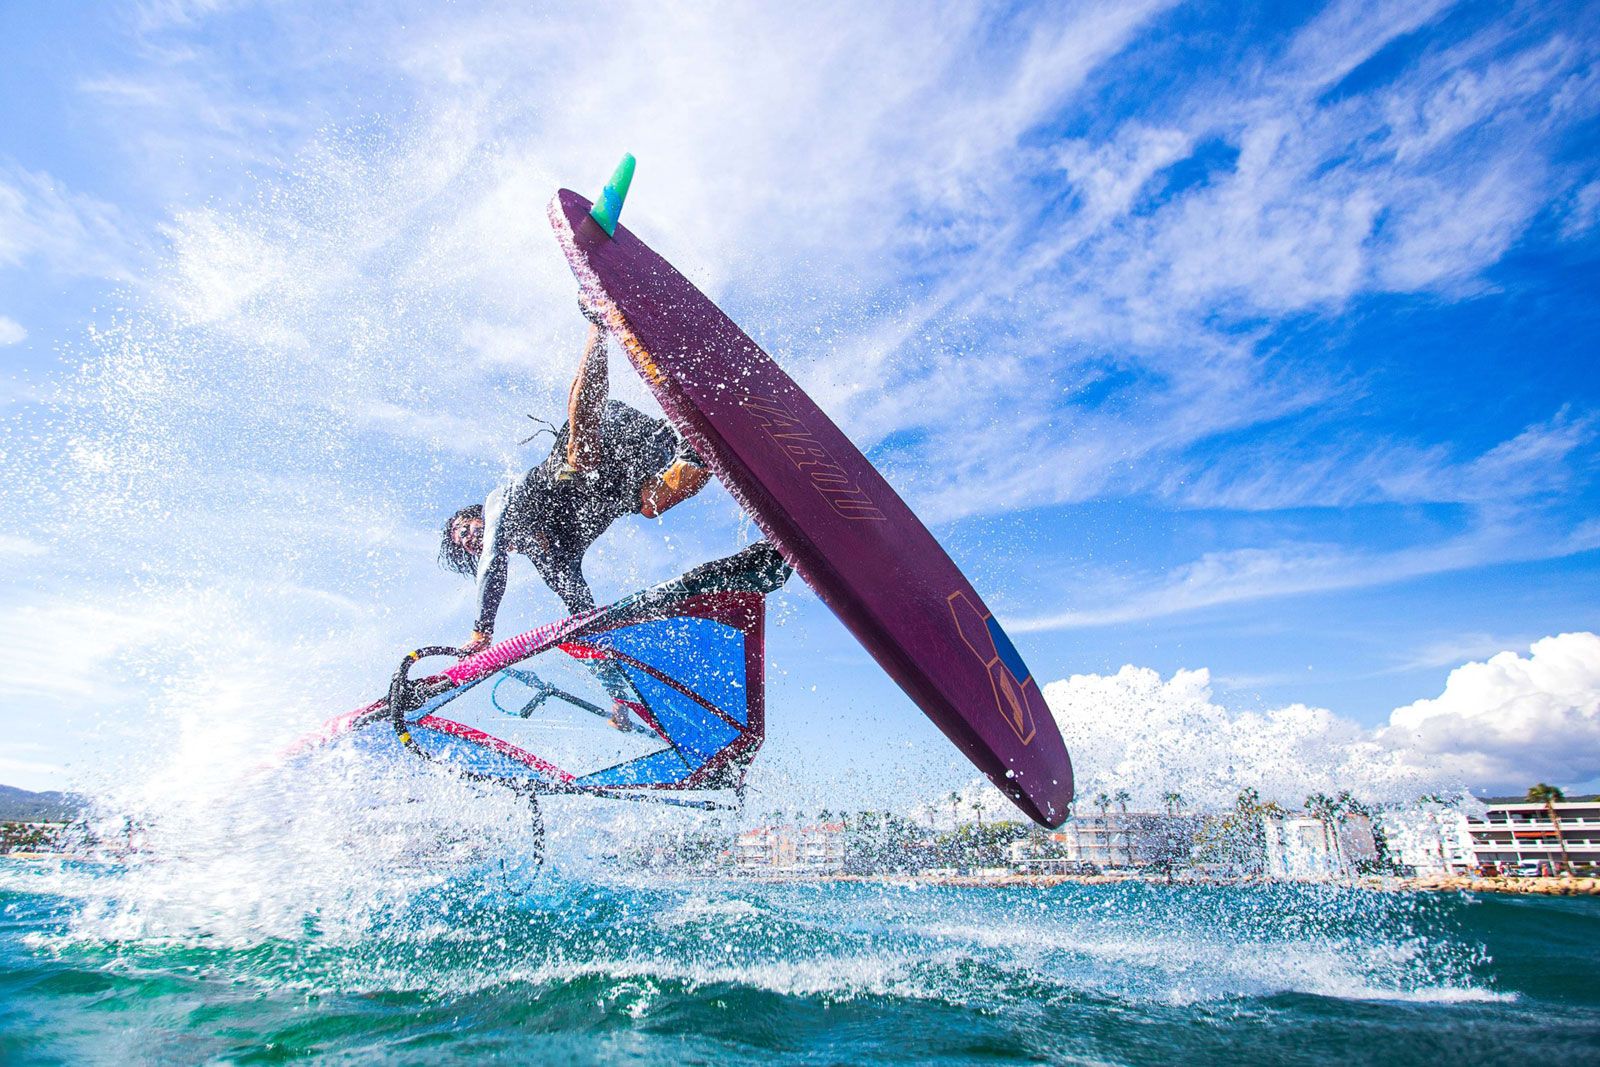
452 557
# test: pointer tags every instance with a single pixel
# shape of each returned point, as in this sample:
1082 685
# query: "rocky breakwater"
1564 886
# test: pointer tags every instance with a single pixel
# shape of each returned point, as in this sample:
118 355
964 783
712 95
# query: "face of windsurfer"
467 533
462 539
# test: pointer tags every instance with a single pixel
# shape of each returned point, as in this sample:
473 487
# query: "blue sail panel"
662 768
693 730
708 655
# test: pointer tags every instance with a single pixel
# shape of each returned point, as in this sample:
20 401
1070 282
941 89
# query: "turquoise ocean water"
555 968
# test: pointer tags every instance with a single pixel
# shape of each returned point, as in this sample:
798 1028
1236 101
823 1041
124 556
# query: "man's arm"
494 564
586 400
676 484
682 478
565 579
491 588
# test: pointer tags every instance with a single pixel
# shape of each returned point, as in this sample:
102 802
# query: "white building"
1517 835
817 849
1305 849
1134 839
1429 839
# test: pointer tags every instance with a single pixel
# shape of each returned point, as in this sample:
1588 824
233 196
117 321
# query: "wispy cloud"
1299 471
1582 212
1241 575
1454 651
19 546
12 332
1315 201
44 225
1418 183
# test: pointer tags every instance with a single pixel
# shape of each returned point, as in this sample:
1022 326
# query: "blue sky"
1248 346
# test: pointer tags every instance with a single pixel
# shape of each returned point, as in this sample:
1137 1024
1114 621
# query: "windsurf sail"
661 691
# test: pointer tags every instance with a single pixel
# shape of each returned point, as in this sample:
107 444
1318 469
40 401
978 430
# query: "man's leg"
617 686
585 402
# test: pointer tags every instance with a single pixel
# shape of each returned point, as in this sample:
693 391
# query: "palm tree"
955 818
1122 798
1103 802
1548 795
1327 809
1173 801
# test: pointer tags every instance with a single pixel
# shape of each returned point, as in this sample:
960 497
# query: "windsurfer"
608 460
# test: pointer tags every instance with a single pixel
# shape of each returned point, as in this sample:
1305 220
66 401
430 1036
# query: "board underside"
827 509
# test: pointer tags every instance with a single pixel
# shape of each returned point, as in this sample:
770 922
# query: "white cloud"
1582 212
1499 725
1138 731
11 331
20 546
1514 717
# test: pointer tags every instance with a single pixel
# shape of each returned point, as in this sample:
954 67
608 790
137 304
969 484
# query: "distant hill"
20 805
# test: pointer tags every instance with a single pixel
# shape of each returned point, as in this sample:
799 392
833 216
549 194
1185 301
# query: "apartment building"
1427 839
1517 835
815 849
1134 839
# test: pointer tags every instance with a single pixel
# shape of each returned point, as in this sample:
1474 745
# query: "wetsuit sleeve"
565 578
684 452
494 563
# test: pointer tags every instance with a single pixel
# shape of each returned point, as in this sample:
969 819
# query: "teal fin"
608 205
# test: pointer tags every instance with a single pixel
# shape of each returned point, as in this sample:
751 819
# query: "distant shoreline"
1565 887
1550 887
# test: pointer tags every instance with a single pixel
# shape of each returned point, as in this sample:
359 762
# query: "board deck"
827 509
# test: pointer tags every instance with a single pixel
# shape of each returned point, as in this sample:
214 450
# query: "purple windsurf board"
827 509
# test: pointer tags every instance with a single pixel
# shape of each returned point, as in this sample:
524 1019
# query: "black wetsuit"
555 513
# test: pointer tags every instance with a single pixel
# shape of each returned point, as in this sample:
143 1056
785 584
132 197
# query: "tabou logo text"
832 481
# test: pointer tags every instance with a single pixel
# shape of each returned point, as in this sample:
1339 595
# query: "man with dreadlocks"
608 460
